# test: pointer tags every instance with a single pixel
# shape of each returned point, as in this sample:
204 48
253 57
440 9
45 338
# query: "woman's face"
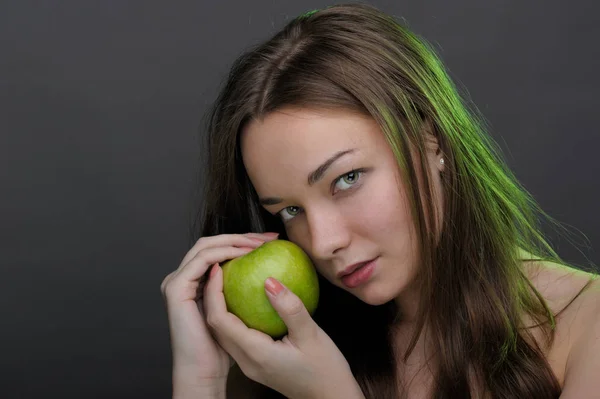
332 179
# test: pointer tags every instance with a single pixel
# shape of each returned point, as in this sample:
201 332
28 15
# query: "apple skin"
244 284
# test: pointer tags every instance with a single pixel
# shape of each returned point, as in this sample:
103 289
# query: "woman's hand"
199 363
304 364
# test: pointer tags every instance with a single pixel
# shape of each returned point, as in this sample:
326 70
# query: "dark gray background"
100 103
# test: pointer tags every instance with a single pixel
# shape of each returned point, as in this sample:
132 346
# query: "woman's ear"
432 144
429 133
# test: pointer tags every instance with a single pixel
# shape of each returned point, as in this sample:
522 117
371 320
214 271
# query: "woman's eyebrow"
318 173
313 177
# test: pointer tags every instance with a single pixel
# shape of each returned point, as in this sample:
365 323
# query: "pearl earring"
442 161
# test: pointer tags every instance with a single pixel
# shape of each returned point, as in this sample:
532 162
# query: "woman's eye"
285 210
349 179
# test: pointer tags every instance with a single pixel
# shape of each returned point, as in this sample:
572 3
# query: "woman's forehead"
304 132
285 149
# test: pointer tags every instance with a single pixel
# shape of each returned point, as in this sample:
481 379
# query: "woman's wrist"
181 391
194 388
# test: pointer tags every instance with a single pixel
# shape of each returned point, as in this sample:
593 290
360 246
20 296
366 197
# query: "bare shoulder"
566 289
241 387
575 355
573 296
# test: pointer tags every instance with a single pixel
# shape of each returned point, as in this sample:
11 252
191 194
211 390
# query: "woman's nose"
328 233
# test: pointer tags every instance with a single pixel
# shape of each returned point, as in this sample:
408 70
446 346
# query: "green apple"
244 284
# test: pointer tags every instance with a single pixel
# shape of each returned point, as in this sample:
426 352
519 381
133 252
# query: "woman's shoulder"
559 283
566 289
572 295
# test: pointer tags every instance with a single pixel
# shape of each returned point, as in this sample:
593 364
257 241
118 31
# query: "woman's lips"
360 275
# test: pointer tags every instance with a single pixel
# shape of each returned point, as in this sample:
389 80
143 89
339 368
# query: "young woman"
344 134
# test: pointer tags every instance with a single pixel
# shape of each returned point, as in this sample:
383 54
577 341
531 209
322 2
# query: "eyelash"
353 186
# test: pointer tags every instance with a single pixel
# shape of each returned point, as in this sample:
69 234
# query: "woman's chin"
373 296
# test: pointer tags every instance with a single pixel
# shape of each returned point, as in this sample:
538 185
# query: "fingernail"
273 286
213 271
271 234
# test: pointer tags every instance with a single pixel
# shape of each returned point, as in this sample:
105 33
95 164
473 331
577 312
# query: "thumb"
291 310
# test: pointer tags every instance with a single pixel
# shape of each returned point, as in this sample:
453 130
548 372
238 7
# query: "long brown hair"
474 291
